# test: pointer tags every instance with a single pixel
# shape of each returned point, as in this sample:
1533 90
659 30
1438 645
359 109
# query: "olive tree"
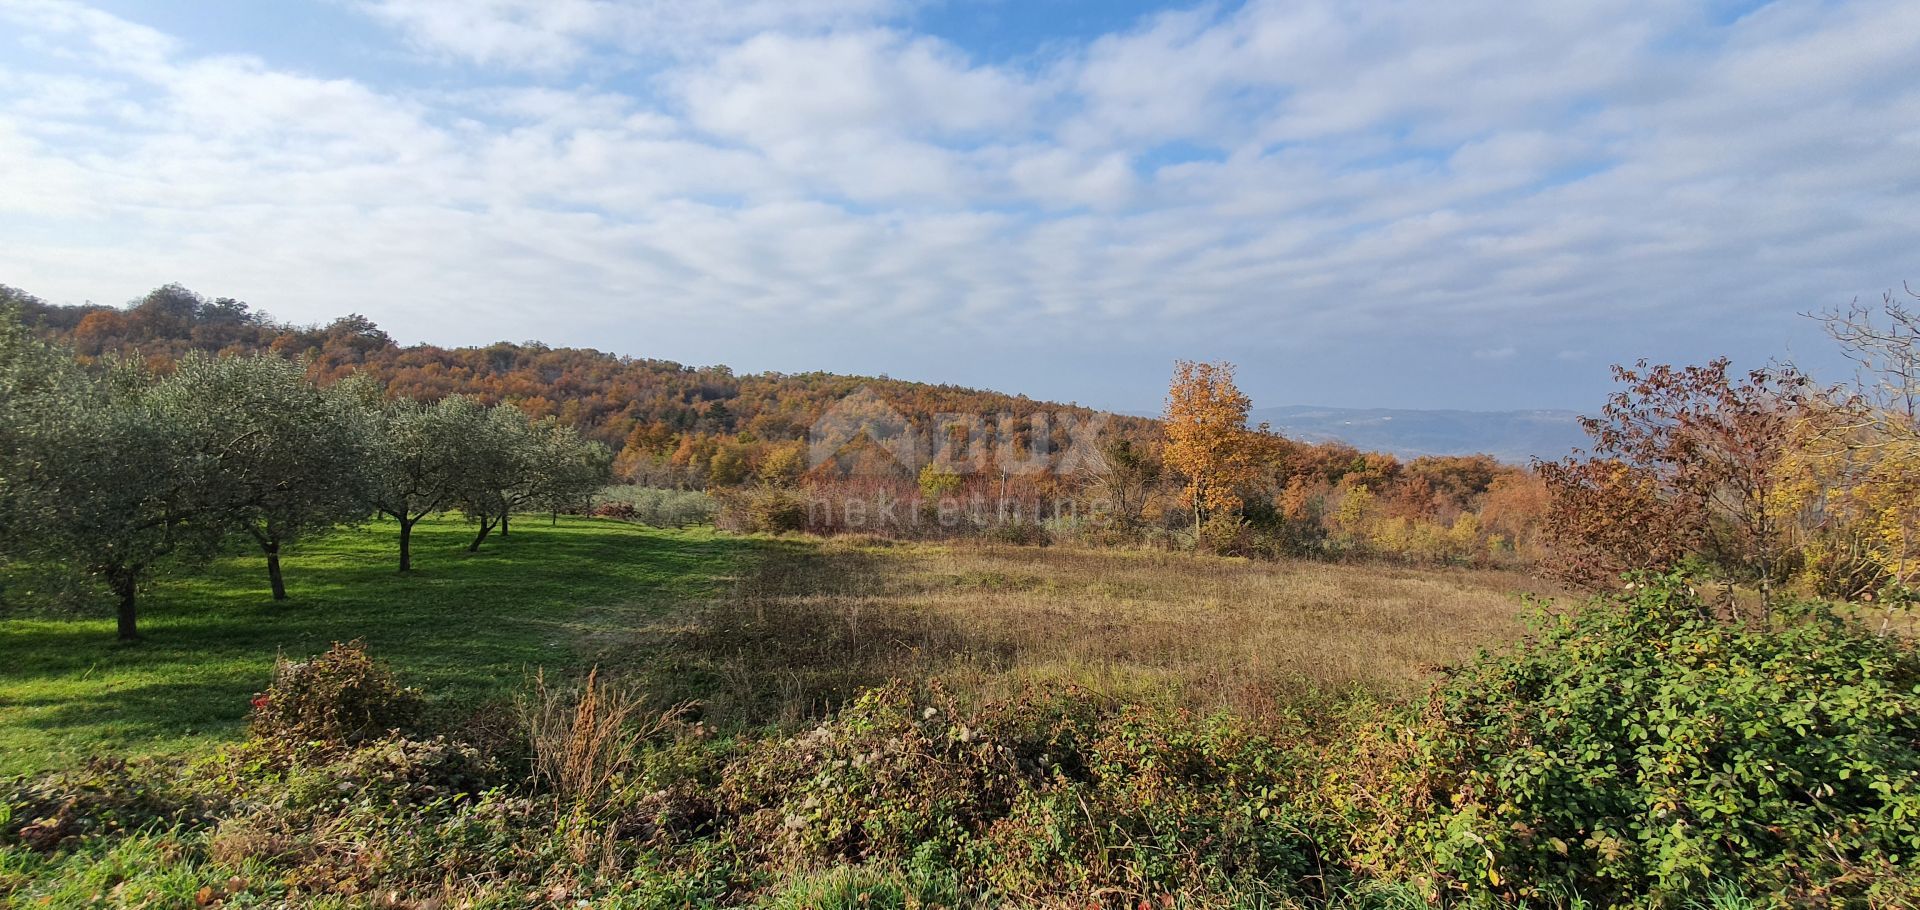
99 475
571 469
37 382
515 463
421 460
290 458
500 469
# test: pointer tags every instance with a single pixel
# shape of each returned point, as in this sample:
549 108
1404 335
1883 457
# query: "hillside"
674 421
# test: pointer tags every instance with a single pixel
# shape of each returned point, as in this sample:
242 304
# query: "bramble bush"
337 699
1637 750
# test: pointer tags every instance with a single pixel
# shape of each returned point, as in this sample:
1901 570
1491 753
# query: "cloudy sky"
1462 204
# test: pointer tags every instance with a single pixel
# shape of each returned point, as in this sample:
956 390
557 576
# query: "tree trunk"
406 543
273 570
486 527
505 519
125 586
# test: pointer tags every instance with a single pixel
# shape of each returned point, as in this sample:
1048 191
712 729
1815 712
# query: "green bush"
1020 534
1640 749
1226 534
1156 806
1048 798
883 778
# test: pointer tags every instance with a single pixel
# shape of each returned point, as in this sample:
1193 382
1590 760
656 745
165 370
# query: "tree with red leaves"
1684 461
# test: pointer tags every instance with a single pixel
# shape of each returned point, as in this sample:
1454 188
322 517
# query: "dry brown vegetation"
813 622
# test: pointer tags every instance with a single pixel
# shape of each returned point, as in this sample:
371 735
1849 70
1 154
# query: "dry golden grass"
815 621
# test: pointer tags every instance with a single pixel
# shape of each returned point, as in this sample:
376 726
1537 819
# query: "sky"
1470 204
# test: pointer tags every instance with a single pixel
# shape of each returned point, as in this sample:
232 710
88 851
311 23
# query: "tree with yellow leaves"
1207 438
1856 464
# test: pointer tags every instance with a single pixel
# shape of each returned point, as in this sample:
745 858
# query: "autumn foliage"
707 428
1207 437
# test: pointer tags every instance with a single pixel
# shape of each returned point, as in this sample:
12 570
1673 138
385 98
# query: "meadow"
592 713
811 622
761 631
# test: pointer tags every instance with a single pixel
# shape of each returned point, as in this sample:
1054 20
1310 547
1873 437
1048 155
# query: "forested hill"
637 406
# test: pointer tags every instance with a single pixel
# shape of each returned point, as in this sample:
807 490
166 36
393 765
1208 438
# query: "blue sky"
1469 205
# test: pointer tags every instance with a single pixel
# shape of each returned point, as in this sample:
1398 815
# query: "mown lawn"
465 627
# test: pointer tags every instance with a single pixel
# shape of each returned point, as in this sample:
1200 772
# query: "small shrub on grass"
889 774
1019 534
1226 534
337 699
1638 750
660 508
1051 799
770 510
403 771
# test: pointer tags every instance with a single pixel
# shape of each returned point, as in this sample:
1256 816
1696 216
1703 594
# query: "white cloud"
779 88
794 183
557 34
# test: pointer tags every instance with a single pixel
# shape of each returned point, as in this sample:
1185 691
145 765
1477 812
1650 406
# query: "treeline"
1763 481
1202 478
1288 499
112 467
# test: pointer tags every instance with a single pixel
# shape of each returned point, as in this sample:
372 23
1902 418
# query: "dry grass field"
814 621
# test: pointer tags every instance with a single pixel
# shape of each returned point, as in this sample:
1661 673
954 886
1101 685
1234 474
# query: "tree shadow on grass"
464 627
803 632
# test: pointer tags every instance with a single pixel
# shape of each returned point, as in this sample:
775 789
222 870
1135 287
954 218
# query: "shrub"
1019 533
1639 749
339 698
660 508
1048 799
401 770
1225 534
762 510
1156 806
882 778
618 511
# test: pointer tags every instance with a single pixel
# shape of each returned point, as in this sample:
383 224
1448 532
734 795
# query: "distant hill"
672 423
1510 436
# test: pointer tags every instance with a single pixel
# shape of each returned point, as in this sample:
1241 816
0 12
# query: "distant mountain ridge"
1515 437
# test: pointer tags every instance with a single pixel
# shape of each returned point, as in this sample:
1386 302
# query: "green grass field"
465 627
